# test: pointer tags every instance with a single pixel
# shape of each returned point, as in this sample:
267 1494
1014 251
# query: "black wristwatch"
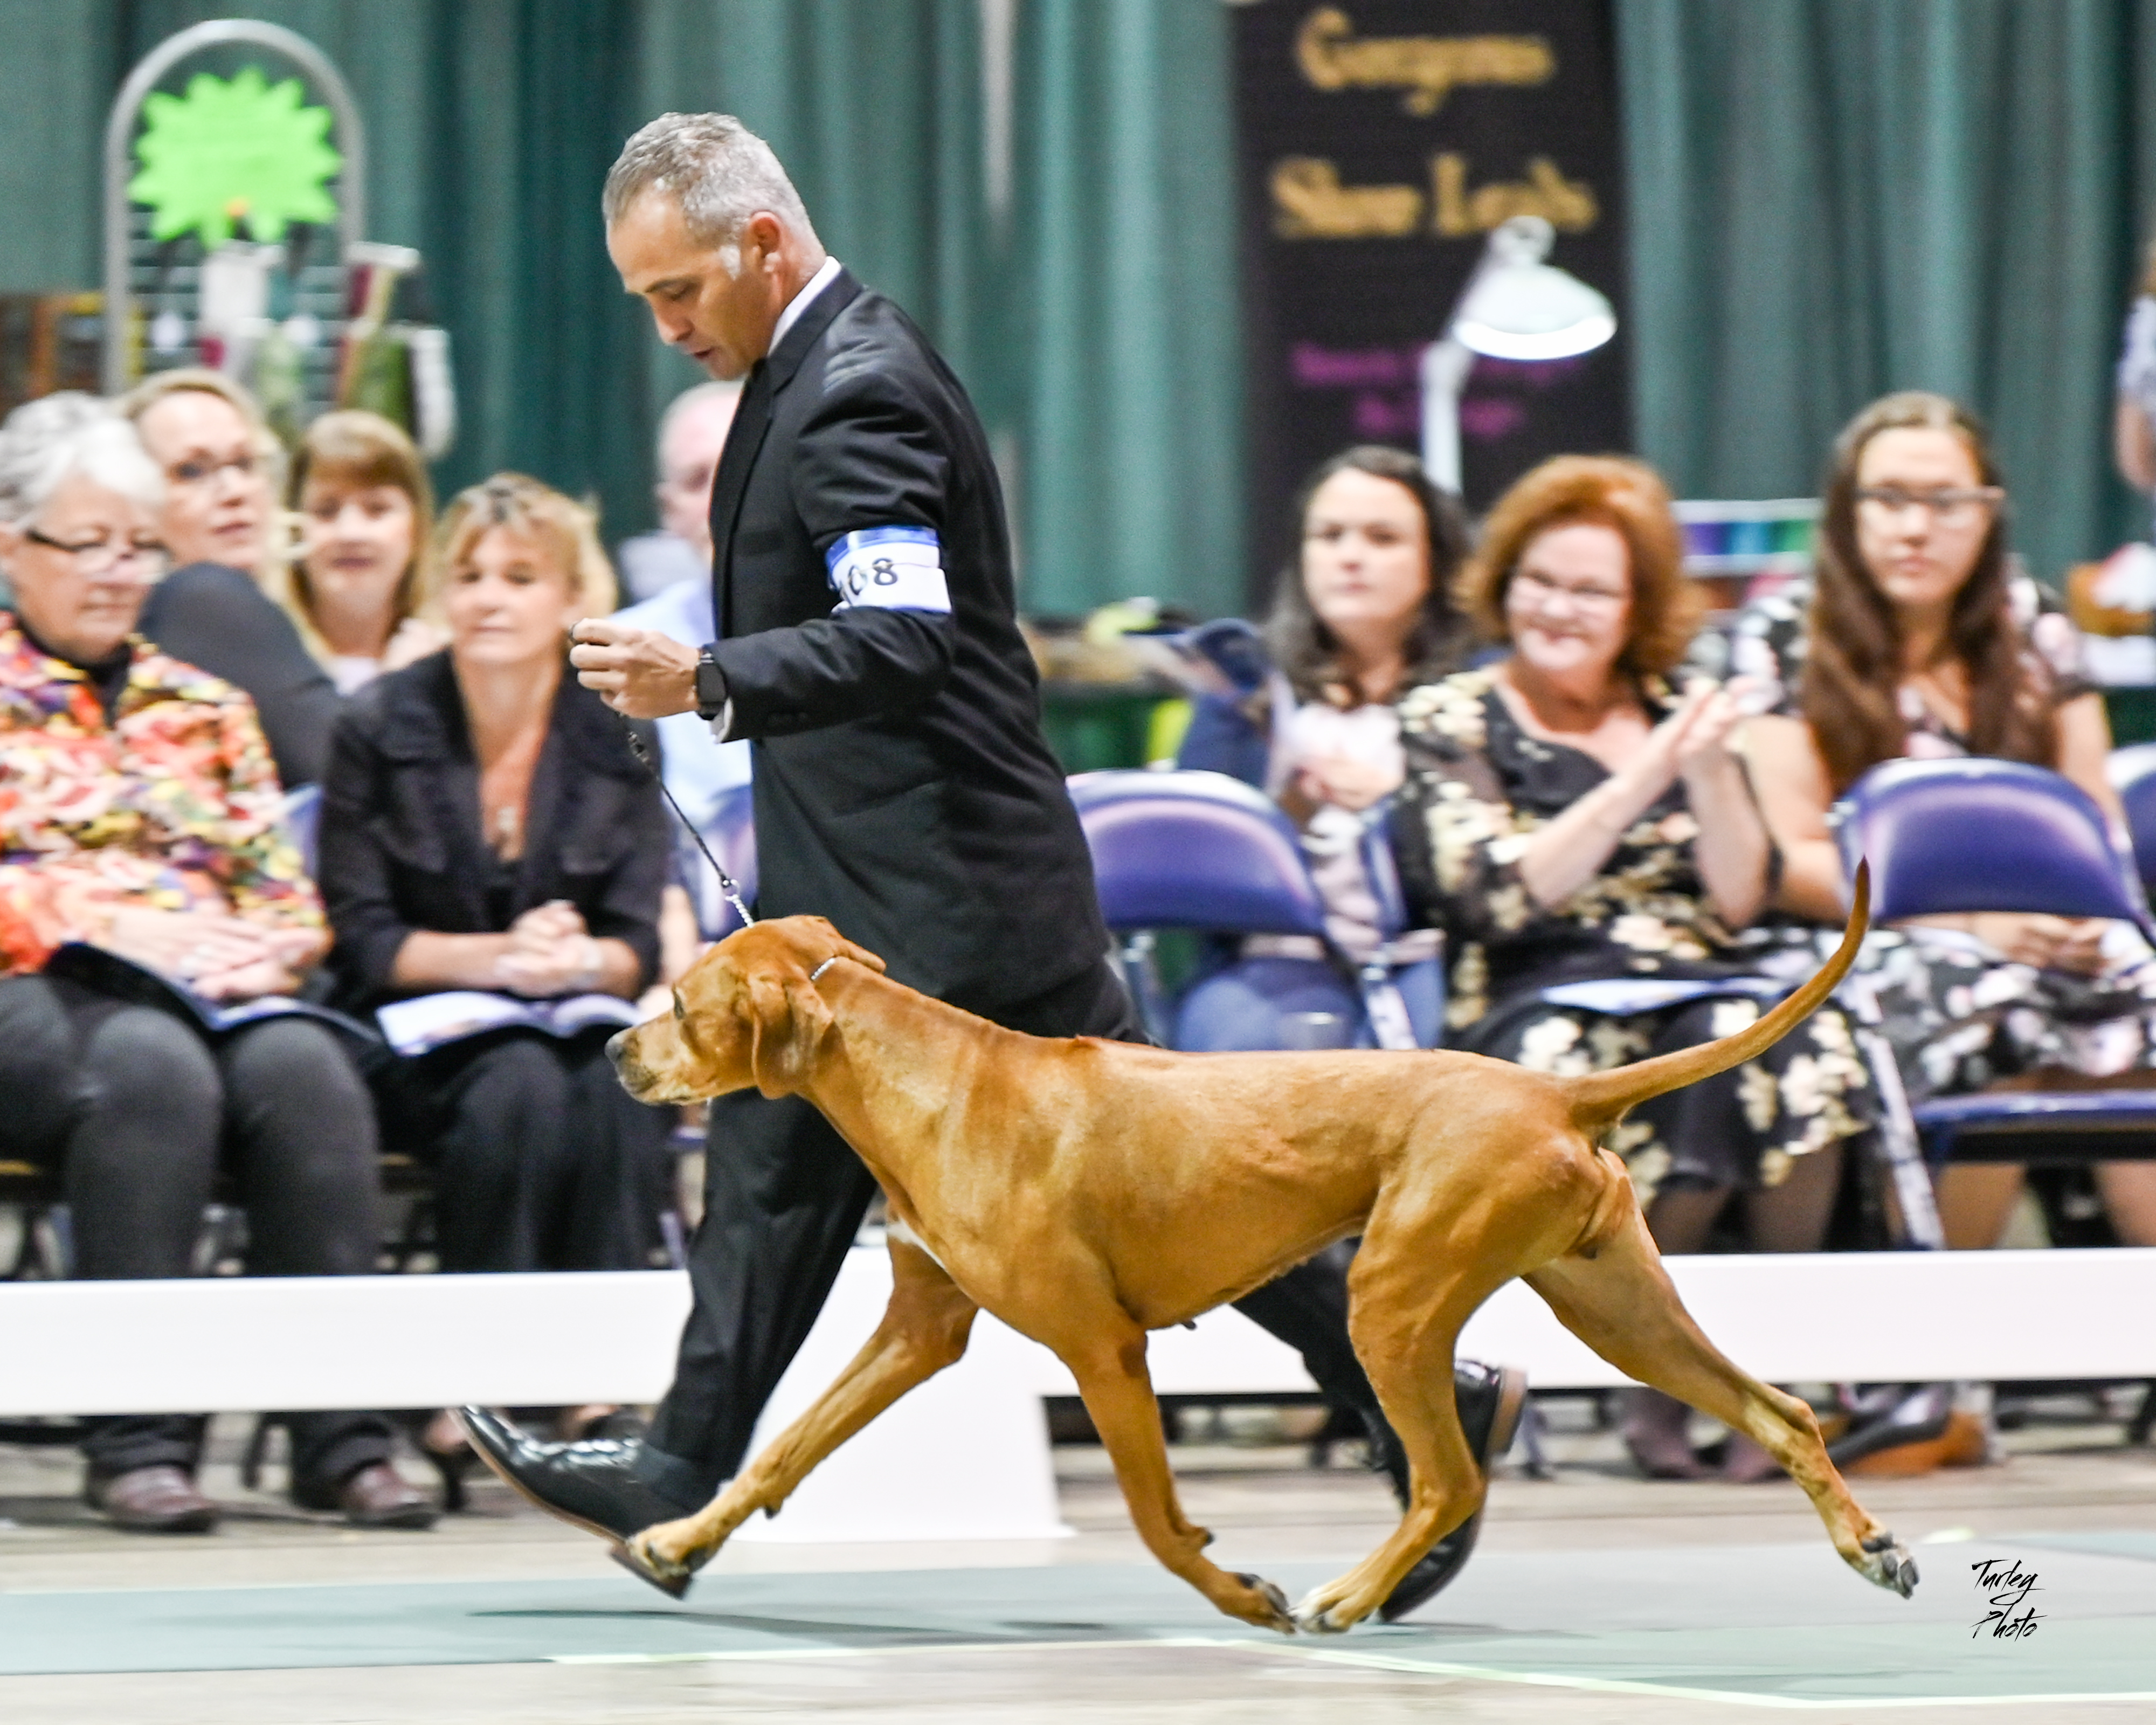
710 687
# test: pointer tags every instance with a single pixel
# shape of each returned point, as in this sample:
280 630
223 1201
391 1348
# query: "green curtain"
1835 198
1092 312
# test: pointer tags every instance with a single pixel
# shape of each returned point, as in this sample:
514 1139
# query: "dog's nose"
616 1045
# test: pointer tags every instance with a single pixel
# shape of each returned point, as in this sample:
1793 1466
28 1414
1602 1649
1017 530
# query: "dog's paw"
1270 1609
1319 1614
1887 1564
636 1556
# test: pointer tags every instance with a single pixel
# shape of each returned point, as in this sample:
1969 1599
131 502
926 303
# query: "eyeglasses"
104 557
1539 589
193 474
1949 506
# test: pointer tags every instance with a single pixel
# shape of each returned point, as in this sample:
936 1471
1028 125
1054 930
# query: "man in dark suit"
869 646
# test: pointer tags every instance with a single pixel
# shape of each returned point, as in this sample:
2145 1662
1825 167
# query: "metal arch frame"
119 130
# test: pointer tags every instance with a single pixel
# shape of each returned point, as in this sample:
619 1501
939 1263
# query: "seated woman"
1567 819
1921 639
1361 619
484 825
139 814
220 523
365 509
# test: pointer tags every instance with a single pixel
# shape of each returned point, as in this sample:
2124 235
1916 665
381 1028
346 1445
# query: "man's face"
687 462
718 304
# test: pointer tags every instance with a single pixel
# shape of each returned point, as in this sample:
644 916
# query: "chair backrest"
301 816
1969 835
1194 850
2132 773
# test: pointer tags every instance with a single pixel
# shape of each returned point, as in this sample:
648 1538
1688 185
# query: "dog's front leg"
1118 1391
924 1329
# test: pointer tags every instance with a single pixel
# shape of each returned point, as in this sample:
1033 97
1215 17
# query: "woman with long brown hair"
1569 818
1924 638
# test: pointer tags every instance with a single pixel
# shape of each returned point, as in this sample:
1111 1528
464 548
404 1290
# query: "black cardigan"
401 848
217 620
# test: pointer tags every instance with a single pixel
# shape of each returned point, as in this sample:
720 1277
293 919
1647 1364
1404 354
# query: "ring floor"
1595 1596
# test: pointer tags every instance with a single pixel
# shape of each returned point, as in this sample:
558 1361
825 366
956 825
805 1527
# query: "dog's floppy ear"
786 1019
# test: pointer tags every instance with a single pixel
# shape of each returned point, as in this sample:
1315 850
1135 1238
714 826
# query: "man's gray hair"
44 443
721 171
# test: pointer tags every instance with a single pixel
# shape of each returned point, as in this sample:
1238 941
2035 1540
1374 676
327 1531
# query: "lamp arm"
1445 364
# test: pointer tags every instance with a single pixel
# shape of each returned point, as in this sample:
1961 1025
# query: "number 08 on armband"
891 568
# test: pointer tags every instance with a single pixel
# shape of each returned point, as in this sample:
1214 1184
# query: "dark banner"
1380 141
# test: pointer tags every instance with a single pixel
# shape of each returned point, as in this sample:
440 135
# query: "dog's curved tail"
1601 1099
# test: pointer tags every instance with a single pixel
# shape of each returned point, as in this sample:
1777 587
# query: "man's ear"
787 1020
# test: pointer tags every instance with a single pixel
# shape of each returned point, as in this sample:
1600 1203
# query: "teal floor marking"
1786 1627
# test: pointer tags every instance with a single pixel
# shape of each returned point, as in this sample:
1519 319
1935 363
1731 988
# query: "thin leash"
727 889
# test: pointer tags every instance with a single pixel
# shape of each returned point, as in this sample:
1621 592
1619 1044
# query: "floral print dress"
1479 788
171 803
1959 1016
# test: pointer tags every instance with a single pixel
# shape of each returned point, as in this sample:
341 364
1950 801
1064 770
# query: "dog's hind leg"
924 1329
1622 1304
1111 1370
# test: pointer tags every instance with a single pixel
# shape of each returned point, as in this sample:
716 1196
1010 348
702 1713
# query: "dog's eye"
680 1011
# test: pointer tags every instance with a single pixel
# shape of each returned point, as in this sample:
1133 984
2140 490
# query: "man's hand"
639 671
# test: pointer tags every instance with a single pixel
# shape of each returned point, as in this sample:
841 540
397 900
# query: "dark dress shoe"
378 1496
1890 1418
591 1484
1490 1399
151 1500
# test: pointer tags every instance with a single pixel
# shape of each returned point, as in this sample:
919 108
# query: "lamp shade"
1520 307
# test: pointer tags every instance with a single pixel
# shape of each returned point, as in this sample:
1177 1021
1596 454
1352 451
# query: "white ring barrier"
966 1455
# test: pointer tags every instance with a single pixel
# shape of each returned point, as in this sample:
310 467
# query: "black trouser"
542 1160
783 1199
134 1104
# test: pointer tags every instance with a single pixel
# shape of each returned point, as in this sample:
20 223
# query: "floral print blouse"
172 804
1479 789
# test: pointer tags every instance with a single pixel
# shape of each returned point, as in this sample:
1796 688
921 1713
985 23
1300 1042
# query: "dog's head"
745 1014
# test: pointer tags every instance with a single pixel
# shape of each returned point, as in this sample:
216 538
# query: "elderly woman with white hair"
139 817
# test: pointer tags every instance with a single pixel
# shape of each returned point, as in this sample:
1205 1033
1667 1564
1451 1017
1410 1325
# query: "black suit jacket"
903 787
400 844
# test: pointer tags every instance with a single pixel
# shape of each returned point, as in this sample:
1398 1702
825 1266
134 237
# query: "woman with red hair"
1569 818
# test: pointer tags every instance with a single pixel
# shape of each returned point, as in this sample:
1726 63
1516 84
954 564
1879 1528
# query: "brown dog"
1086 1192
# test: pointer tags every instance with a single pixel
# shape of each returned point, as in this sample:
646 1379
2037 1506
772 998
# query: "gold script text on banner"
1309 202
1429 68
1567 205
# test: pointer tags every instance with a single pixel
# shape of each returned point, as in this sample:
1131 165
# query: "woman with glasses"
1921 638
1569 818
138 821
223 472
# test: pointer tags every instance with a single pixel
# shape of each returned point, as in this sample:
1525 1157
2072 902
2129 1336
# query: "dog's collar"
826 966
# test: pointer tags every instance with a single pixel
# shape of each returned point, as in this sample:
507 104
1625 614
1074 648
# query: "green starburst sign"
233 151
